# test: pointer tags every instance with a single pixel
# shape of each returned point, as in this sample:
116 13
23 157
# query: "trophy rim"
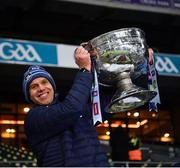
117 30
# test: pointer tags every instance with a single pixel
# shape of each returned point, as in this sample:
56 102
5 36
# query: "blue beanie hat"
33 72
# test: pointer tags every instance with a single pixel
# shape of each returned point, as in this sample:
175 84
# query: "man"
61 133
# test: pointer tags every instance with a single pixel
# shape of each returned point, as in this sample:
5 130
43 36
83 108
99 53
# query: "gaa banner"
167 64
62 55
19 51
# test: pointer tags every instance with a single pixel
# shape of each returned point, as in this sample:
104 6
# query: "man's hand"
82 58
150 60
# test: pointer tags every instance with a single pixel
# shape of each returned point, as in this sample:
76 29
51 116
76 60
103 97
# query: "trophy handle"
86 45
90 49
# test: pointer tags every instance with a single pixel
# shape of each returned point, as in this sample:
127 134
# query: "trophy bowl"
118 54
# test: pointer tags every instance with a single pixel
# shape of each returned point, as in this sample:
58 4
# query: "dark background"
72 23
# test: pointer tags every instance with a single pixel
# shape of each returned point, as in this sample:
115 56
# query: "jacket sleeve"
43 122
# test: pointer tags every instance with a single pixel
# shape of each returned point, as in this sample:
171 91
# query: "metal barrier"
17 163
22 163
141 164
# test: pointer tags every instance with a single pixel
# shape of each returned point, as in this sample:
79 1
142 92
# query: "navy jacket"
62 133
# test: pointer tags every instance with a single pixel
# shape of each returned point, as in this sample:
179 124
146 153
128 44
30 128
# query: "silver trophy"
118 56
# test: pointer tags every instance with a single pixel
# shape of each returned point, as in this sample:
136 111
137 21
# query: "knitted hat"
33 72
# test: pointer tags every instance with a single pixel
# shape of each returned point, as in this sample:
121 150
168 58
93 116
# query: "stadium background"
73 22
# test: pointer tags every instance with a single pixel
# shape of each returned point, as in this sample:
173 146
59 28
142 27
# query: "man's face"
41 91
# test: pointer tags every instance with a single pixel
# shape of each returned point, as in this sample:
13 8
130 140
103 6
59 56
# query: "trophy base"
128 100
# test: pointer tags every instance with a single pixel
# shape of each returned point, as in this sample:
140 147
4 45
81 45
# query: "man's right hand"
82 58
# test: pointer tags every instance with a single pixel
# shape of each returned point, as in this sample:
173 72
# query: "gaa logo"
164 64
19 52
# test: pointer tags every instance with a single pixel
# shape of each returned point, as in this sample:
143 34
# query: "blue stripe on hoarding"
29 52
